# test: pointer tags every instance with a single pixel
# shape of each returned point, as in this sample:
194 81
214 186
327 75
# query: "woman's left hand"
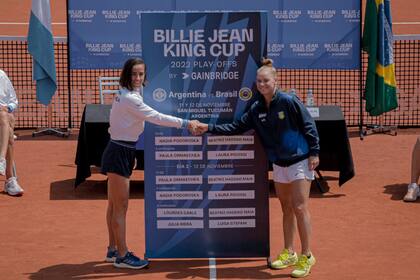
313 162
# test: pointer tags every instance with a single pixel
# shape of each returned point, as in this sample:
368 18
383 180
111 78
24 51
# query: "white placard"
179 179
237 223
242 154
230 140
314 111
179 212
179 195
232 212
178 140
216 195
179 155
176 224
231 179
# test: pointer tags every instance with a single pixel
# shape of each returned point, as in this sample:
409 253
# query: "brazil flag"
381 86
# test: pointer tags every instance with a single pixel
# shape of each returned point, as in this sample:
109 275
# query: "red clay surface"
360 231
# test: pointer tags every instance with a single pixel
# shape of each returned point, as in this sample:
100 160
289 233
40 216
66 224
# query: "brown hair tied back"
267 65
125 76
267 62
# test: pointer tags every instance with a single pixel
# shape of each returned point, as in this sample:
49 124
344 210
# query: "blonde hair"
267 65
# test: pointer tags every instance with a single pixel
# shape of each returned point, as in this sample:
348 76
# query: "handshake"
197 128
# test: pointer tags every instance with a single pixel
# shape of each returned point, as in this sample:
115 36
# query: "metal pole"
68 68
361 75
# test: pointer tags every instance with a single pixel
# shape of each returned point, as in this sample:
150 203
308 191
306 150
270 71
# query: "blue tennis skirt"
119 157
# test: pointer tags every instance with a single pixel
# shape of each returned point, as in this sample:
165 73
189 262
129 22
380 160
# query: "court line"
407 23
27 23
212 268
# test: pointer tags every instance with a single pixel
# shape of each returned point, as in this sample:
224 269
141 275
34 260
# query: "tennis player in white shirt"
128 115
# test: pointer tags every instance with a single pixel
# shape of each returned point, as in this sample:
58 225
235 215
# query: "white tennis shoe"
412 192
12 187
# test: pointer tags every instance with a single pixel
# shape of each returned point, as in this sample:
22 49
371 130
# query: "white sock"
412 186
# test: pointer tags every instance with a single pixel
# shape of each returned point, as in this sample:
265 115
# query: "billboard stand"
202 192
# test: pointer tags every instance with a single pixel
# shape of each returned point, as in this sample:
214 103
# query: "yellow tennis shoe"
303 266
285 260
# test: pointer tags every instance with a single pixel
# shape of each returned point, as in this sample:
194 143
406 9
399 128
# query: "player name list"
173 189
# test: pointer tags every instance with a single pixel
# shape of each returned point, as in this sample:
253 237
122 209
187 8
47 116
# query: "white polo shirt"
129 112
7 93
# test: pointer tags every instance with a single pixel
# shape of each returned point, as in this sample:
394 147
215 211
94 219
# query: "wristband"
184 123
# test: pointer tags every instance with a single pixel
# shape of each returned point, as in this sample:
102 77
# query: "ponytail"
267 64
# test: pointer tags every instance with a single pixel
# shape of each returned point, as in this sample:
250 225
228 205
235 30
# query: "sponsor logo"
116 16
245 94
159 95
338 49
281 115
82 15
289 16
351 15
275 49
304 49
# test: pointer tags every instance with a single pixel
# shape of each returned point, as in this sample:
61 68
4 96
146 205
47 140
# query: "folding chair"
108 85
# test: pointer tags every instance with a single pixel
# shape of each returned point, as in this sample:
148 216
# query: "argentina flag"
41 47
381 85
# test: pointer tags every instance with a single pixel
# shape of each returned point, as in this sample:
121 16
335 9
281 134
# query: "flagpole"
380 87
69 125
49 129
41 48
361 132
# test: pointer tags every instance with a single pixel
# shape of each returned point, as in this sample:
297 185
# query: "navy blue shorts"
119 157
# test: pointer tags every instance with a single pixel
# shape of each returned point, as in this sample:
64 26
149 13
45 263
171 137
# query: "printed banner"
205 196
323 34
103 34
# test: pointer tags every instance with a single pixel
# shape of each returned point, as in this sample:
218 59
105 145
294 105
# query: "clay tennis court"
362 230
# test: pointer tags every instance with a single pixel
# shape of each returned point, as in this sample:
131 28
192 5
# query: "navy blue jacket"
287 130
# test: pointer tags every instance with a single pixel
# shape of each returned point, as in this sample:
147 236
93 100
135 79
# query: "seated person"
8 104
413 189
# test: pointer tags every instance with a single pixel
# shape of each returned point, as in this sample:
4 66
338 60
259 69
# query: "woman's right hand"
197 128
313 162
